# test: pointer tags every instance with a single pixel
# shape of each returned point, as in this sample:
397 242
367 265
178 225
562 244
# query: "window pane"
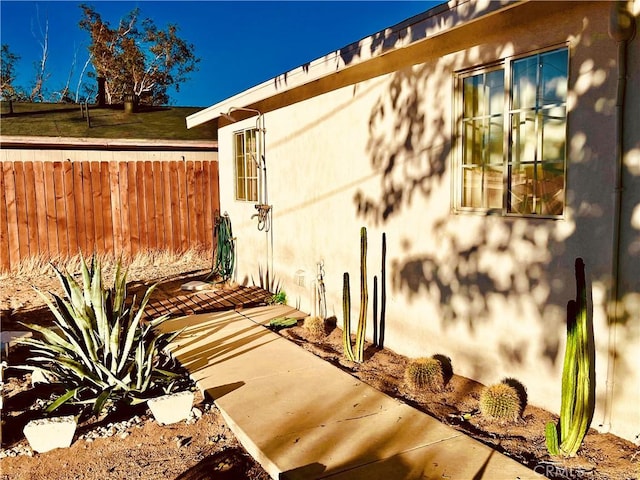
553 135
496 141
523 137
473 142
470 94
524 83
551 188
554 77
240 191
472 187
495 92
493 184
521 198
252 194
482 187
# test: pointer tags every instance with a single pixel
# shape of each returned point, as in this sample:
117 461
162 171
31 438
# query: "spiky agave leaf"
61 400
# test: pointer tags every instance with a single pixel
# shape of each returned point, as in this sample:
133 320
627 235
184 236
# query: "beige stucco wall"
490 292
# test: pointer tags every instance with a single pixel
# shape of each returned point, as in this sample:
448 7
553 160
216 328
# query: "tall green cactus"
577 405
364 297
346 309
346 306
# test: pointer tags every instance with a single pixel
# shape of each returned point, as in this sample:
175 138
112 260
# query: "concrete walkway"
303 418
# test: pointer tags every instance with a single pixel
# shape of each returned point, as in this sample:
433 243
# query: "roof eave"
434 22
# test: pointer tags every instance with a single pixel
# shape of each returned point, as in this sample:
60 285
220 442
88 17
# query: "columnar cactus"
578 394
346 306
364 297
346 309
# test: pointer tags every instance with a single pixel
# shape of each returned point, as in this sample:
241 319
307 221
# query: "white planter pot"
171 408
48 433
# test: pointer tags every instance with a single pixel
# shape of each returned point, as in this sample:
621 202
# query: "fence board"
50 207
123 182
192 233
95 195
87 200
142 227
174 191
116 207
183 206
32 219
149 206
58 208
12 214
78 205
159 203
105 195
21 208
5 264
132 196
208 203
60 220
199 203
41 209
70 207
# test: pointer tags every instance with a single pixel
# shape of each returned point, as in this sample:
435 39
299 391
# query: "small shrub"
314 326
279 298
425 373
500 402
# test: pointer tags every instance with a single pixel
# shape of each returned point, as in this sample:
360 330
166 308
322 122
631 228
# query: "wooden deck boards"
207 301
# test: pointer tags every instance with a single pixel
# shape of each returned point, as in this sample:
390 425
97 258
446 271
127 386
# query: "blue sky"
240 43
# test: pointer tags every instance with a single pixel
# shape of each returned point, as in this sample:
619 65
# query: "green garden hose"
225 250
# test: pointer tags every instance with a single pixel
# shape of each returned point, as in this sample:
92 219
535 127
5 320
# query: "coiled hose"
225 250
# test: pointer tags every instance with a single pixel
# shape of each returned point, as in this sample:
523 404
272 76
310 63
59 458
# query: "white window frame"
247 183
458 188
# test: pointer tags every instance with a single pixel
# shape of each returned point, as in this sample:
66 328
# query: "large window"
513 136
246 156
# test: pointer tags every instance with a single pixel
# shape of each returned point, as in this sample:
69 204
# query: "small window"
246 160
513 136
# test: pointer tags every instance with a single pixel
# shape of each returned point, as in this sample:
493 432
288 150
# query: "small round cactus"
500 402
424 373
314 326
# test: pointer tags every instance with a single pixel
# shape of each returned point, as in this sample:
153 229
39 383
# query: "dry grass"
144 262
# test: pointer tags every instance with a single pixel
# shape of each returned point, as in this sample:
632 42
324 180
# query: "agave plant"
100 348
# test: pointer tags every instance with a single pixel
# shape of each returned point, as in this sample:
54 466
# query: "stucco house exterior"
492 144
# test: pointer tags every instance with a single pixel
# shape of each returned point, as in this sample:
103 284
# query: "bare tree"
63 93
37 91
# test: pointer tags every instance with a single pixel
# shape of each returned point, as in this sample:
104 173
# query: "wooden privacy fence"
58 209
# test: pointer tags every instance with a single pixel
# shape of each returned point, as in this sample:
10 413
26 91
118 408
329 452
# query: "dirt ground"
206 448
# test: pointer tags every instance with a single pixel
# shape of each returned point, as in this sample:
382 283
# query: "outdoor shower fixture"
263 208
